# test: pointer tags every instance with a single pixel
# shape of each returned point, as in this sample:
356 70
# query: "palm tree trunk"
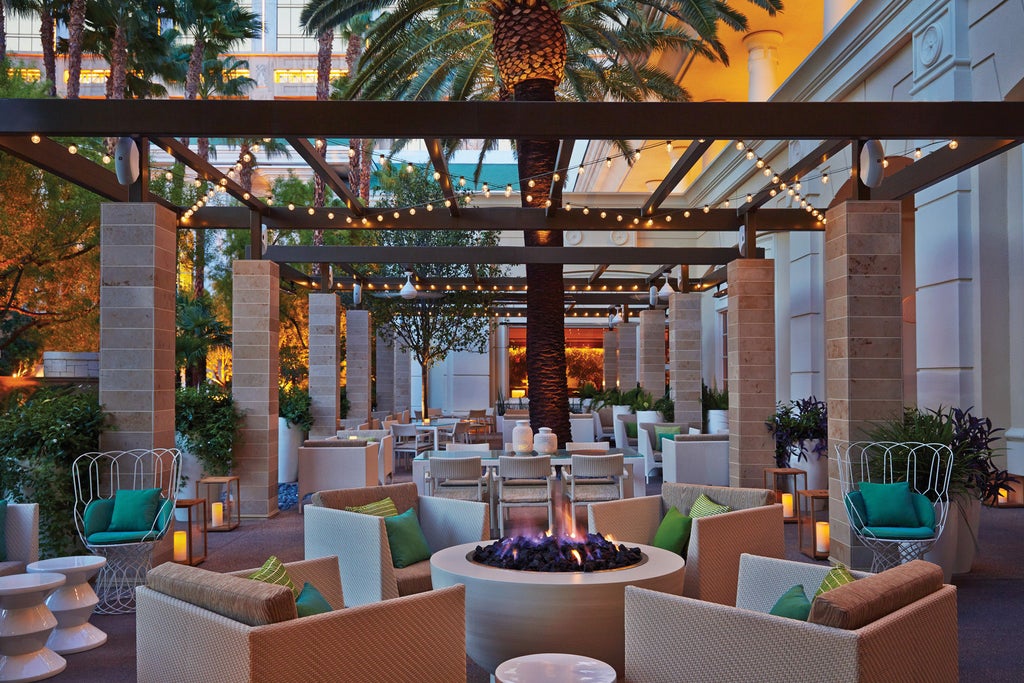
325 44
76 28
195 66
46 35
545 324
118 65
3 33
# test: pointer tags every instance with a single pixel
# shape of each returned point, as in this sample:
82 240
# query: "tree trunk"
46 31
195 66
424 388
3 33
325 44
76 28
118 65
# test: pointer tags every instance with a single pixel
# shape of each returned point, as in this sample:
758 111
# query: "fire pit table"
511 613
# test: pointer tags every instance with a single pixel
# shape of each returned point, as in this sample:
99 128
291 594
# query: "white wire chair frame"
926 467
96 477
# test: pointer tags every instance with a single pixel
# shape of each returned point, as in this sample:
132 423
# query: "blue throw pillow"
311 601
888 504
134 509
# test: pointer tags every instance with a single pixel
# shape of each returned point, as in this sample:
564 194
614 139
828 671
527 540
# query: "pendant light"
408 291
666 290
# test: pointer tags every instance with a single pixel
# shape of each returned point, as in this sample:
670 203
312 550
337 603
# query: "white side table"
554 667
25 624
73 603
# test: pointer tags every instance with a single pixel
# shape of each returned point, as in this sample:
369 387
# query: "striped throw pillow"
836 577
380 508
705 507
273 571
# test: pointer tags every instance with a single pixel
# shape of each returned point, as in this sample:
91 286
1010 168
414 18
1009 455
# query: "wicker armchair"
649 444
913 638
713 554
360 541
186 630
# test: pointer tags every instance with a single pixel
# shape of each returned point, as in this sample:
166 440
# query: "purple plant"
795 422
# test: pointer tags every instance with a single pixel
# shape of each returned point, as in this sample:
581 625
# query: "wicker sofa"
713 554
899 625
696 459
360 541
649 445
21 532
197 625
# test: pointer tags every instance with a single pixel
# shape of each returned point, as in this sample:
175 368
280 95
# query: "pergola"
862 302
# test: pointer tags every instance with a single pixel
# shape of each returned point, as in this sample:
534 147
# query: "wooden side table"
812 513
222 502
195 530
789 477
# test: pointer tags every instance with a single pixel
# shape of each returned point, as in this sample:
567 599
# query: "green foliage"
293 404
588 390
40 436
20 354
198 332
207 420
713 399
795 422
666 406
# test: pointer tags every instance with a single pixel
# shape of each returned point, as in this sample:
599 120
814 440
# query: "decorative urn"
522 438
545 442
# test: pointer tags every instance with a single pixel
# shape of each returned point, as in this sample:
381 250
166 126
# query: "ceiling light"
666 290
408 290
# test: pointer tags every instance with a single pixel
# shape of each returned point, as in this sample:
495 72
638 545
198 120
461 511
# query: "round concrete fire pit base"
513 613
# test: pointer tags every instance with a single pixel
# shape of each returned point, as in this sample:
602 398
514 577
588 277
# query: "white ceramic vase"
289 438
522 438
545 442
816 468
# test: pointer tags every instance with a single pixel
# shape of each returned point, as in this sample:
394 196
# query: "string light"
586 211
409 168
462 181
917 153
73 148
608 162
759 163
311 211
105 159
686 214
508 190
437 175
531 183
824 179
35 139
668 146
953 144
739 145
750 198
707 209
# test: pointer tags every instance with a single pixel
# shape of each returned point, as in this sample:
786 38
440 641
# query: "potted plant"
205 424
715 409
974 477
293 423
642 403
800 430
666 407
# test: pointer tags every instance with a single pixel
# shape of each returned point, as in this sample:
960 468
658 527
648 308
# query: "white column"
651 352
684 364
611 359
324 363
357 360
627 355
762 64
385 375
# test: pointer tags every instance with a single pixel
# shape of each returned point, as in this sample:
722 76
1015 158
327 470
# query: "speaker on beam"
357 294
653 299
872 170
126 161
741 241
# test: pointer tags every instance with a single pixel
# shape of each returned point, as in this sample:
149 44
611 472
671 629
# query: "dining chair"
577 446
457 477
593 478
524 482
409 442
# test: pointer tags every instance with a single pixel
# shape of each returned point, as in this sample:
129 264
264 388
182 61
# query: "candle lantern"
1011 494
221 495
190 536
822 540
812 523
786 481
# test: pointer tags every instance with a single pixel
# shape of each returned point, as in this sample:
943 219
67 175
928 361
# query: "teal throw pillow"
406 539
631 430
674 532
793 604
705 507
888 504
311 601
838 576
924 509
3 530
134 509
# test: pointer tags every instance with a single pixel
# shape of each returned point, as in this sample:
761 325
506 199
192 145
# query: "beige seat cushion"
11 567
414 578
250 602
861 602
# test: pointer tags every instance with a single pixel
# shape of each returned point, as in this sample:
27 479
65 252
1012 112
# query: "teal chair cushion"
96 524
117 537
888 504
908 533
96 517
134 509
925 510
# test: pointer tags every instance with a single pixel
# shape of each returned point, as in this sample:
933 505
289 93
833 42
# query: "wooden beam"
686 161
939 165
441 166
597 273
327 173
809 162
204 169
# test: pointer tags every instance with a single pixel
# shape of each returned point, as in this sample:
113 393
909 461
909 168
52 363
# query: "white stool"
73 603
553 667
25 624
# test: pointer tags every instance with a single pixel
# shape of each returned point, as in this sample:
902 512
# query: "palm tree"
198 332
76 31
47 11
128 34
529 42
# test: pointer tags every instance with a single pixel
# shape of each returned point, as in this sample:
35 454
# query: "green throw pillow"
3 530
631 430
705 507
674 532
134 509
406 539
793 604
838 576
380 508
311 601
273 571
888 504
660 432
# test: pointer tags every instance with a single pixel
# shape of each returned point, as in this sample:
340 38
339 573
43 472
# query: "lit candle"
1004 497
180 546
426 420
218 514
787 505
821 537
353 437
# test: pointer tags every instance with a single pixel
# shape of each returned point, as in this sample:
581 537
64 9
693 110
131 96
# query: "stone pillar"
627 356
137 279
762 64
254 350
684 363
324 363
611 359
403 379
357 360
863 333
651 352
833 11
385 373
751 369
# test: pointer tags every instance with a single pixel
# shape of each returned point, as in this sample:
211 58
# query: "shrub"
795 422
293 404
207 420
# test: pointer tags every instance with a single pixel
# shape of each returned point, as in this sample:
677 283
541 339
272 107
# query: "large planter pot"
718 422
943 551
289 438
965 514
643 416
621 410
816 468
190 472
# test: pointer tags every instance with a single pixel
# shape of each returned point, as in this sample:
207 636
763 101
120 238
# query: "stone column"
863 332
385 373
403 379
651 352
762 64
611 359
357 360
137 279
684 363
254 349
324 362
627 356
751 369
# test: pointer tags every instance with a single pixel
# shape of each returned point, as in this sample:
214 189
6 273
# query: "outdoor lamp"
408 291
666 290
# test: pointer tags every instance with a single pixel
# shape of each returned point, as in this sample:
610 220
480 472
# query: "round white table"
73 603
25 625
554 667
